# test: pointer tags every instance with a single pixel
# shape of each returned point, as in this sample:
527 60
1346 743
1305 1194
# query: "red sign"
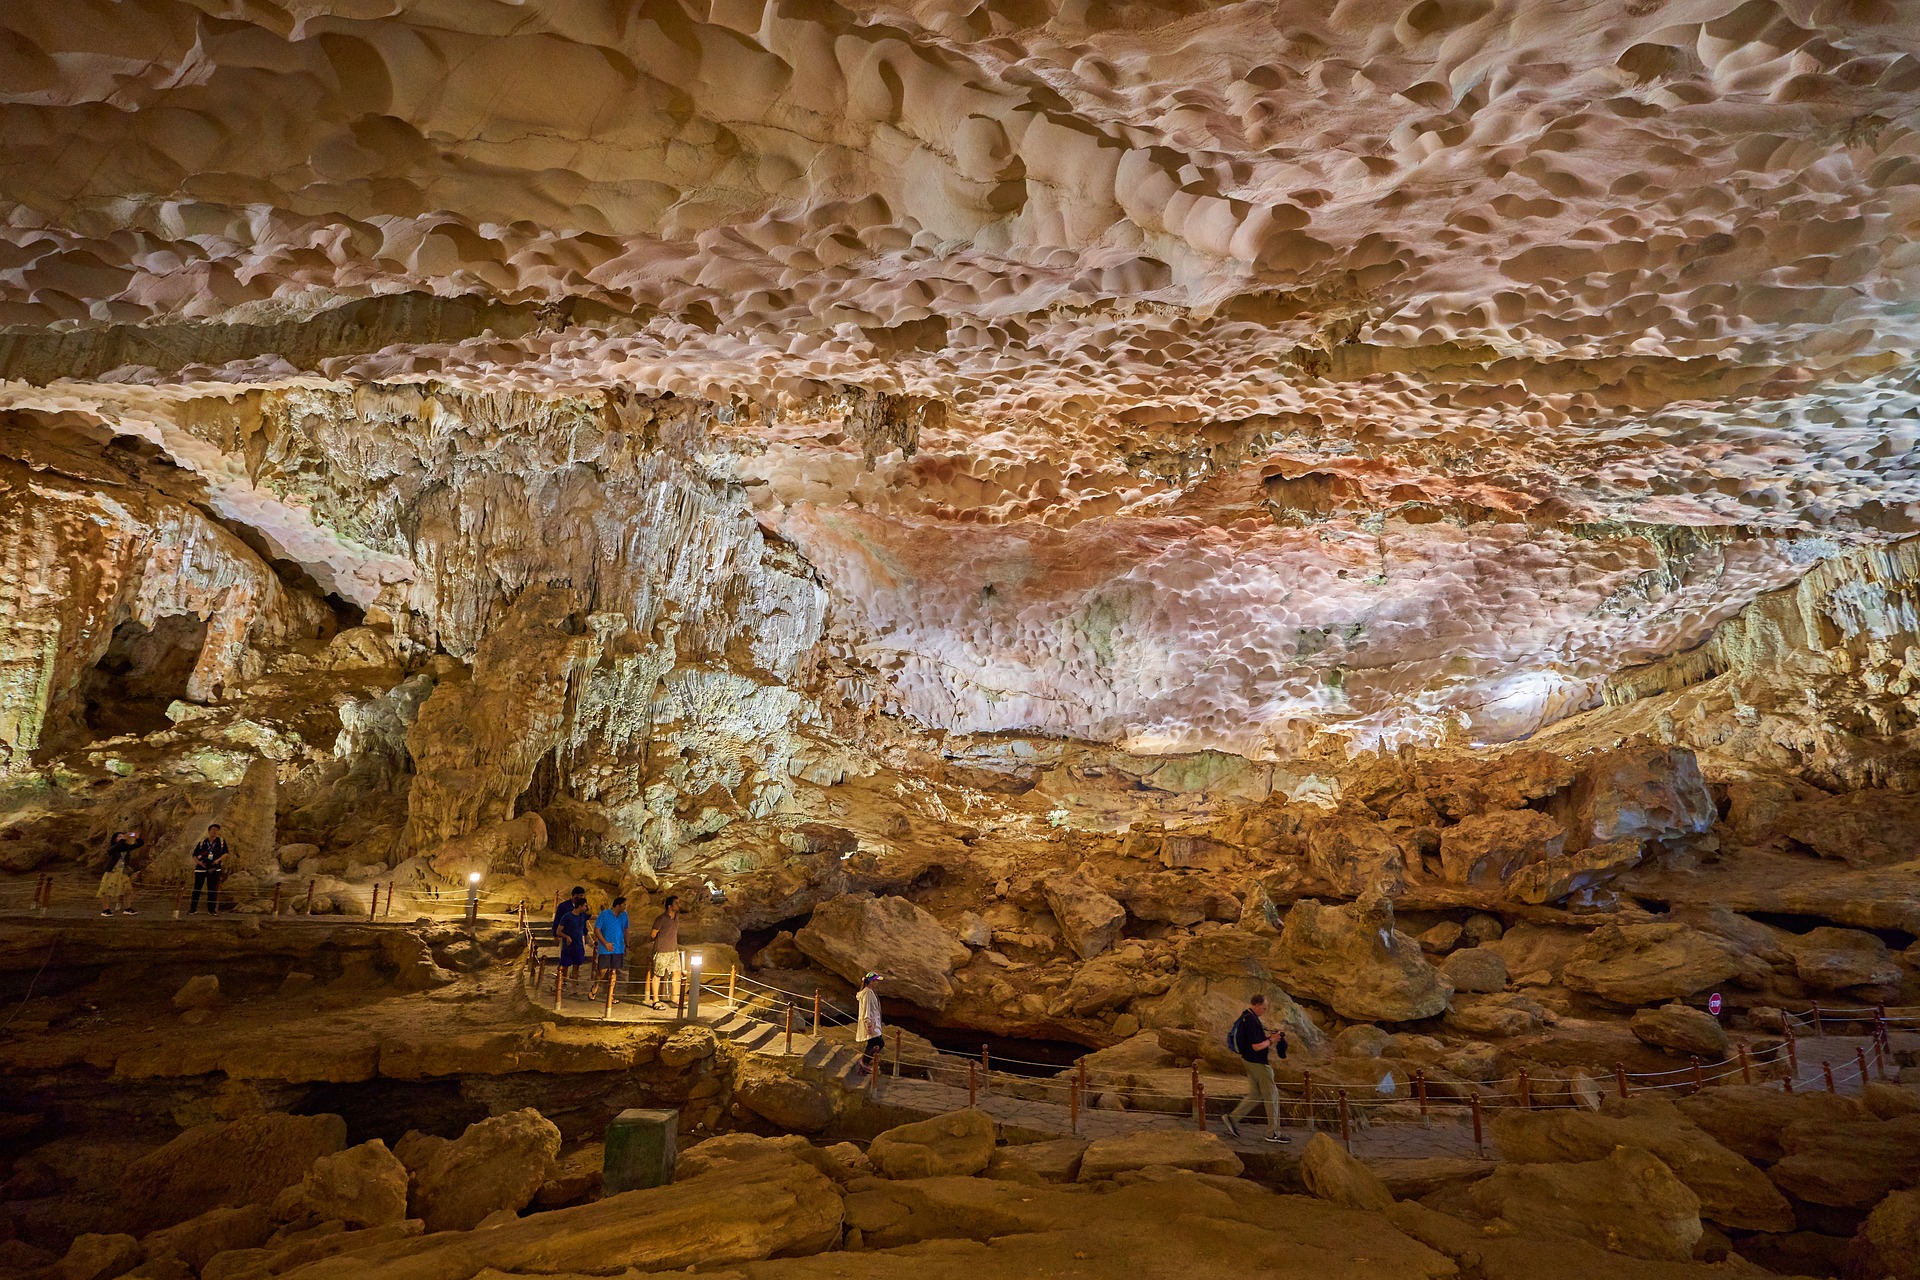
1713 1004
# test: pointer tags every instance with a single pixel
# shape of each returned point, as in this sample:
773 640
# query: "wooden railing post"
1479 1141
973 1088
1346 1125
1620 1079
1526 1091
1420 1092
1746 1065
1698 1082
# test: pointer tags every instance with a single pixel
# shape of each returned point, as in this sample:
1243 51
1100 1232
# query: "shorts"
667 963
610 960
572 953
115 884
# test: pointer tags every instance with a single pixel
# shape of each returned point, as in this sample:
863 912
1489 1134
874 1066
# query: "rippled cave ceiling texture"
1245 376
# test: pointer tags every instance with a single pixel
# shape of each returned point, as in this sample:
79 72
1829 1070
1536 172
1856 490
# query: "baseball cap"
870 977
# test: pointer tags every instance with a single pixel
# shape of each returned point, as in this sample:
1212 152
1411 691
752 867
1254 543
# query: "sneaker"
1277 1137
128 911
1232 1127
107 912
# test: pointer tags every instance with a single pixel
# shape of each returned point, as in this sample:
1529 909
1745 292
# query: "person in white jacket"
870 1028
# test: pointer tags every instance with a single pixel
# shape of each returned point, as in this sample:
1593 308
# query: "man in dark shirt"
575 900
209 864
1250 1040
570 929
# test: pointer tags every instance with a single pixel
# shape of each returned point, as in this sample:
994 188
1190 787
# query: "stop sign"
1713 1004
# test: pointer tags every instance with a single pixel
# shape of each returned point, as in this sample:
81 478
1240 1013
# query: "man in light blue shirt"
610 936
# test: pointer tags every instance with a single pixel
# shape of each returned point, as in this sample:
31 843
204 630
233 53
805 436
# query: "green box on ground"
640 1150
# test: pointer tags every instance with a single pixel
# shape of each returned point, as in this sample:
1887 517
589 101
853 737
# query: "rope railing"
1448 1096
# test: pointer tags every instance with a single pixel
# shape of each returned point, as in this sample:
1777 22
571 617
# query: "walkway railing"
1406 1096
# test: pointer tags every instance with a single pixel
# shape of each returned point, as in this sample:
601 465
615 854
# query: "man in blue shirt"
610 937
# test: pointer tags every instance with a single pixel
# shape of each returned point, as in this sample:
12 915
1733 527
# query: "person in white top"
870 1028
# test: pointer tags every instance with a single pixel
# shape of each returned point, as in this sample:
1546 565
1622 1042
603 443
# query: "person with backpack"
1248 1037
209 865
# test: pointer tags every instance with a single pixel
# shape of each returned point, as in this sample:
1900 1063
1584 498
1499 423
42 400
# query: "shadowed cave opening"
142 672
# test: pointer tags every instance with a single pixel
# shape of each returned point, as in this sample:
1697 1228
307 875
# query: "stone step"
757 1037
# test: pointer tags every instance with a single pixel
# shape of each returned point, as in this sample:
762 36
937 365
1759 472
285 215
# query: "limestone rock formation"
498 1163
1166 1148
233 1163
1682 1029
1639 964
955 1145
1333 1175
1628 1202
854 935
363 1186
1352 958
1731 1191
1089 919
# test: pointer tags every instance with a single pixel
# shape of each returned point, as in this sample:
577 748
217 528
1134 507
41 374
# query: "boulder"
1218 973
686 1046
1640 964
1682 1029
196 1240
958 1144
411 958
1851 1165
1333 1175
1628 1202
1481 929
853 935
99 1257
1749 1119
202 992
736 1212
1356 857
1475 969
1731 1191
1362 1040
1441 938
1893 1229
1487 848
1576 875
498 1163
1172 1148
363 1186
1638 792
238 1162
1829 959
1861 828
1090 919
974 930
783 1100
1496 1013
1039 1162
1353 960
576 1176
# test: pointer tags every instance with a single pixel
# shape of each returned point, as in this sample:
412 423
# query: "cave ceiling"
1173 375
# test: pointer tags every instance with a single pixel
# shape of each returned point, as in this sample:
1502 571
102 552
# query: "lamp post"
693 986
473 898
